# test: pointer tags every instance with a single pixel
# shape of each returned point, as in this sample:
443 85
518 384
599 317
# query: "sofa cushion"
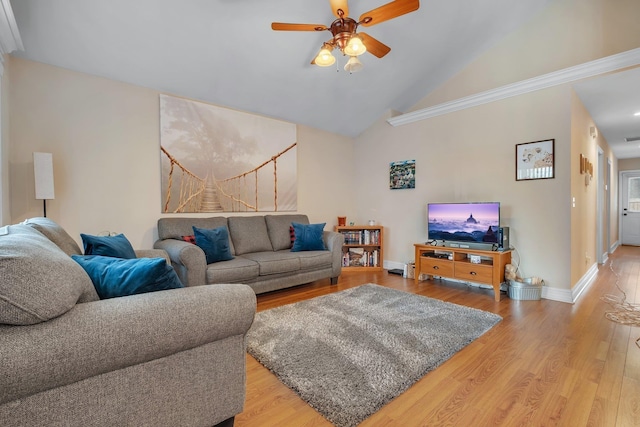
214 243
39 281
56 234
117 246
175 228
118 277
312 260
279 228
308 237
238 270
249 234
275 262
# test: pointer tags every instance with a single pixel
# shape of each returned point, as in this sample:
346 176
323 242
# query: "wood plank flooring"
546 364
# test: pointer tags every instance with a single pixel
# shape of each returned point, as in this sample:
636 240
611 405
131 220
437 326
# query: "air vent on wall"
632 139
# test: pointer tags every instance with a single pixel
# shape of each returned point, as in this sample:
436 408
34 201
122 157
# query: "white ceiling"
612 101
224 51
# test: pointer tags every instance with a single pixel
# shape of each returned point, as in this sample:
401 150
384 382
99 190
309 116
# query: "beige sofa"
261 245
168 358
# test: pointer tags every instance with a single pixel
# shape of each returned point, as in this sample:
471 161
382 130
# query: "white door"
630 229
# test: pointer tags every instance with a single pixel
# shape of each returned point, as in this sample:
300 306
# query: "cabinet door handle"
473 273
435 267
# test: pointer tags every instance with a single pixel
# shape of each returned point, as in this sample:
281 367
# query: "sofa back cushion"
176 228
39 281
56 234
249 234
279 226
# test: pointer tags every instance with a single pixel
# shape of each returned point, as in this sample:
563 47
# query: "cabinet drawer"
474 272
436 267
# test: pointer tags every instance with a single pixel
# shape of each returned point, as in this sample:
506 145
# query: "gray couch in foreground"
261 245
167 358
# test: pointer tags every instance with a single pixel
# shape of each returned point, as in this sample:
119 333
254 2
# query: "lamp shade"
355 47
43 173
325 58
353 65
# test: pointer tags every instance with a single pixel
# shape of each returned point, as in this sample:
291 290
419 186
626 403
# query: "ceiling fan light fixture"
325 58
353 65
355 46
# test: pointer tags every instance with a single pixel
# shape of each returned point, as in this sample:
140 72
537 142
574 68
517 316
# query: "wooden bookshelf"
362 248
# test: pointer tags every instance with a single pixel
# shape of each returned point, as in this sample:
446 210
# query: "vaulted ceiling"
224 51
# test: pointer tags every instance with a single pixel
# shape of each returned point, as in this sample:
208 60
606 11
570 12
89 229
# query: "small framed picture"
534 160
402 175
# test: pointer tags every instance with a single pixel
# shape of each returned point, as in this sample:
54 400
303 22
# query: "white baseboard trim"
614 246
569 296
390 265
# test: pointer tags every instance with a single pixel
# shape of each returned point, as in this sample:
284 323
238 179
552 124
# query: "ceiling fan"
345 37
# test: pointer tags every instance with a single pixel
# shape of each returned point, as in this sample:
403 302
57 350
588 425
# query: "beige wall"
584 216
4 147
567 33
469 156
629 164
104 136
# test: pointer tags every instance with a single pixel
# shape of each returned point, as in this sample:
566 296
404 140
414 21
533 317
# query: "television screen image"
464 222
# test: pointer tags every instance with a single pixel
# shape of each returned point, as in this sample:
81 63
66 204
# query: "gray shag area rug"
349 353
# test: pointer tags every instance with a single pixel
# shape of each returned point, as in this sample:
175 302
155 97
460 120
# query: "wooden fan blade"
281 26
374 47
388 11
339 5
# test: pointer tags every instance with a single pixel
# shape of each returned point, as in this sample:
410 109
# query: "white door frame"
600 254
621 177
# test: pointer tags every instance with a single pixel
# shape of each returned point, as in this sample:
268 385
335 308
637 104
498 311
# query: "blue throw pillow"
214 242
117 277
308 237
115 246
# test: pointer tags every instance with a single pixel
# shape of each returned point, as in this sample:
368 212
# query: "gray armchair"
174 357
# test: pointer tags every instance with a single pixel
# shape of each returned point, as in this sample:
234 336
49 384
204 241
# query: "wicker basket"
524 290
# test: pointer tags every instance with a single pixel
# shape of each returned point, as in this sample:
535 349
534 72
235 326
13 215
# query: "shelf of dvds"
362 248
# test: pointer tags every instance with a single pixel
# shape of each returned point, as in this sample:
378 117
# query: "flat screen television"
464 224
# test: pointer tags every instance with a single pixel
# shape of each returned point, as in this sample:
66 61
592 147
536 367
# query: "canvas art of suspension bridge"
216 159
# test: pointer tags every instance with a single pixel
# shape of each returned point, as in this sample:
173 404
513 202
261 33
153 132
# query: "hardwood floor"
546 364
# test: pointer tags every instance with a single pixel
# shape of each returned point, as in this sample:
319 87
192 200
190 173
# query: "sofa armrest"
153 253
334 241
103 336
187 259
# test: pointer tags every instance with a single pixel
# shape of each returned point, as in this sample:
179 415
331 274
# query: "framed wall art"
402 175
535 160
215 159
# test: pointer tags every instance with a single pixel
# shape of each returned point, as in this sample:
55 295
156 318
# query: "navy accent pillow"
308 237
214 242
114 246
117 277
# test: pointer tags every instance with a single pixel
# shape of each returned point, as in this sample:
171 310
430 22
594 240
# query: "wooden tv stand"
455 263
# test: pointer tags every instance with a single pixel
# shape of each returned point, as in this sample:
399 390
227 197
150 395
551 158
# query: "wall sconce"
43 173
593 132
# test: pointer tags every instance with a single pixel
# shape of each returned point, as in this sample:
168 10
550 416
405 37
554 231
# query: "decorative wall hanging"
535 160
402 175
586 167
220 160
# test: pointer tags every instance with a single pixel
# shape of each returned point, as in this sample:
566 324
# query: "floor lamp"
43 173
